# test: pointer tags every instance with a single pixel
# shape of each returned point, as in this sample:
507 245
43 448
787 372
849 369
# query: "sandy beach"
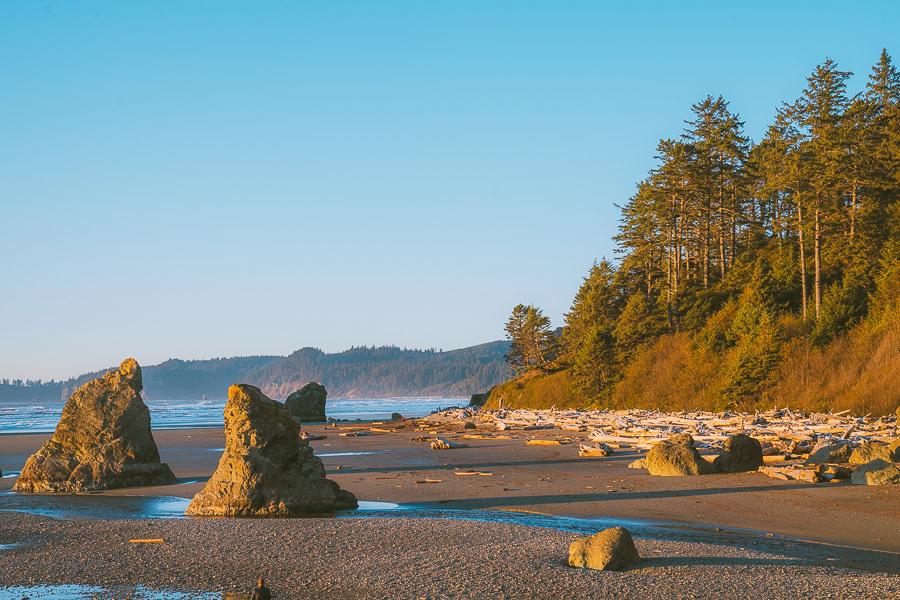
692 530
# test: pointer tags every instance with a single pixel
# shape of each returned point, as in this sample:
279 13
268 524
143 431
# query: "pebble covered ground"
393 558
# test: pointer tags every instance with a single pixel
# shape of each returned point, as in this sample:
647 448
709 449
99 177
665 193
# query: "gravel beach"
395 558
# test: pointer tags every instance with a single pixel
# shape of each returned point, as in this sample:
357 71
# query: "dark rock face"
308 403
610 550
266 469
677 456
478 400
741 453
102 441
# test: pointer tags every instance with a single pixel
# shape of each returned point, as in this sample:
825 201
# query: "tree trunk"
853 211
721 244
818 261
706 247
802 253
734 225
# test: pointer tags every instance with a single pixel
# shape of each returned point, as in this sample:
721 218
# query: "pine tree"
588 339
531 342
820 111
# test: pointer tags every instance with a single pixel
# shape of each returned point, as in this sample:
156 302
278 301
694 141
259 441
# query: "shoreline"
503 533
385 466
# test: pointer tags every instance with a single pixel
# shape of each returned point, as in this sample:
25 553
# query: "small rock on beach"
610 550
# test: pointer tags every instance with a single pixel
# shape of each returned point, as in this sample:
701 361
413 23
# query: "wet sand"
549 479
860 525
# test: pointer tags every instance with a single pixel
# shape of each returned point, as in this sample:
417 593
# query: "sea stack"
102 441
308 403
266 469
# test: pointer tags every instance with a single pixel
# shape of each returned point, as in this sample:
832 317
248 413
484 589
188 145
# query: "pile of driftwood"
782 433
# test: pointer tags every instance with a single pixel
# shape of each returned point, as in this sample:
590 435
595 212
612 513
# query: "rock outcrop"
479 400
831 453
610 550
869 451
677 456
266 469
308 403
741 453
102 441
876 472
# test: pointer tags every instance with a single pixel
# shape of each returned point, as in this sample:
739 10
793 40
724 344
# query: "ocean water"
181 414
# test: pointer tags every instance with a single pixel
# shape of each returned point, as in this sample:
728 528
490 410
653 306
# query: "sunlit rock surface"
610 550
266 469
677 456
102 441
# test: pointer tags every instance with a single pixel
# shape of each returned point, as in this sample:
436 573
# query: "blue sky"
224 178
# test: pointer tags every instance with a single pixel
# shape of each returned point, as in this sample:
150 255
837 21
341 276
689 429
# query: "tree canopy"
745 255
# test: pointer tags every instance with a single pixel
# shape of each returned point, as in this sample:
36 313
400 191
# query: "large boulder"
869 451
610 550
876 472
102 441
894 448
677 456
829 453
308 403
266 469
741 453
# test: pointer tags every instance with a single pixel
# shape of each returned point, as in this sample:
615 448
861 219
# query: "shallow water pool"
79 592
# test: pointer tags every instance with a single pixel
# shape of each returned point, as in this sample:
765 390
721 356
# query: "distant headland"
360 372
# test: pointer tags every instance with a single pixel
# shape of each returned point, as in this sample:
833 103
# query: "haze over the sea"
226 179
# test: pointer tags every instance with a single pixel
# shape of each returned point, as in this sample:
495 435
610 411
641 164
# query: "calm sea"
174 414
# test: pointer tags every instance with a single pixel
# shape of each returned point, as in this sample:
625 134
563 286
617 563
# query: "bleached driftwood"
594 450
782 431
445 444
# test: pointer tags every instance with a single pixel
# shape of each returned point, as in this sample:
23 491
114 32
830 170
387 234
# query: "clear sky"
201 179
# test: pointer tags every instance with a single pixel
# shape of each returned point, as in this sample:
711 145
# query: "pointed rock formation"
102 441
308 403
266 469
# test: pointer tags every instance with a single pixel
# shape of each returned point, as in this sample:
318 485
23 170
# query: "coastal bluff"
266 469
102 441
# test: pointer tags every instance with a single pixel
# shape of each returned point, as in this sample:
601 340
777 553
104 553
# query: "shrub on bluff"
102 441
266 469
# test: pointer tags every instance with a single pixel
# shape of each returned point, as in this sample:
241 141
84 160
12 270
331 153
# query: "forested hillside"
359 372
748 274
387 371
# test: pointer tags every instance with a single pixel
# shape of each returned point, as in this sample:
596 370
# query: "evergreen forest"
748 275
360 372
